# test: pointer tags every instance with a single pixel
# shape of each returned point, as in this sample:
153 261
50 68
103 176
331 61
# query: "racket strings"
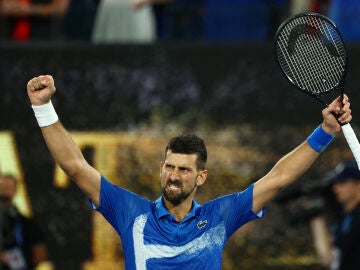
315 59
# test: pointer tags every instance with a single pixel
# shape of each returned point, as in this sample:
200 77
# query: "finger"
31 85
40 83
37 83
345 111
334 108
346 106
45 80
344 119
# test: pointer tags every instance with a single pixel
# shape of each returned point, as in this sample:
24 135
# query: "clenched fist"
40 89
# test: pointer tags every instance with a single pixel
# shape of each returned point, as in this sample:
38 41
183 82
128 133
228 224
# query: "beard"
178 196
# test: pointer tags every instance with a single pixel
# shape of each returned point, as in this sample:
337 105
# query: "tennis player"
175 232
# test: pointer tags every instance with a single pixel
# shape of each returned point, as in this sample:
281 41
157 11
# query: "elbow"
279 180
74 168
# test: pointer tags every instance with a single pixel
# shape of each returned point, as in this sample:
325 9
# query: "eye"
185 170
169 167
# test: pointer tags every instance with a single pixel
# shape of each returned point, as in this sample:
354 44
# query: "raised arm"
299 160
63 149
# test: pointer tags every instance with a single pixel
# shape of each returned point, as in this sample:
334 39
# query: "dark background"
197 86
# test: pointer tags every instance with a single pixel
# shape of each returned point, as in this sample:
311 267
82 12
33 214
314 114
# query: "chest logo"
201 224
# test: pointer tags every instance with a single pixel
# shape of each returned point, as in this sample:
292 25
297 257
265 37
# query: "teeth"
173 186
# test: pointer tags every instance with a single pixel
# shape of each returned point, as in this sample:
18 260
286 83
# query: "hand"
336 114
41 89
138 4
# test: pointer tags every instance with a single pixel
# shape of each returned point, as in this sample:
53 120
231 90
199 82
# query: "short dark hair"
188 144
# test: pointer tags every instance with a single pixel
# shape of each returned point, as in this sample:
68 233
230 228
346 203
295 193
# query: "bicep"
88 179
265 190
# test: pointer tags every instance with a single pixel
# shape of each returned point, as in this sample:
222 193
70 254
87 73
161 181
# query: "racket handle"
353 142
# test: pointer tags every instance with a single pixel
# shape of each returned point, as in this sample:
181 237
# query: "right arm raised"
63 149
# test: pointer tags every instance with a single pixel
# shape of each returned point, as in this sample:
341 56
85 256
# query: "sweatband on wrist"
45 114
319 139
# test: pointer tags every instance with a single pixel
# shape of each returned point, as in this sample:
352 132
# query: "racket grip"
353 142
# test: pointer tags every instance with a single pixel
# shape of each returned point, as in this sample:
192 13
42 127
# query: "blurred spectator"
342 252
234 20
180 20
345 14
125 21
318 6
79 20
22 243
31 20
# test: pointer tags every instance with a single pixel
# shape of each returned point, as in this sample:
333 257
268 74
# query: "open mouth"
173 187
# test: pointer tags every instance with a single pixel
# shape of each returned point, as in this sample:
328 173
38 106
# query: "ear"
201 178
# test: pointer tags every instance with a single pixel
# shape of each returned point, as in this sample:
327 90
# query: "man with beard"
175 232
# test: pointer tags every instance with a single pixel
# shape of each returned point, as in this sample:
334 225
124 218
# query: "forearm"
63 149
322 240
298 161
290 167
294 164
285 171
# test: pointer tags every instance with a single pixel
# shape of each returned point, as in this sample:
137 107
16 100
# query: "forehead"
180 159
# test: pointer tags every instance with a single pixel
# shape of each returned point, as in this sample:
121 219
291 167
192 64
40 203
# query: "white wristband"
45 114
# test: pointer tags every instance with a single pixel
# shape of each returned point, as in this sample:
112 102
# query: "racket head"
311 53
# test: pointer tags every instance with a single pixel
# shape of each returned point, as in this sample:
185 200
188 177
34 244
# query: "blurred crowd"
147 21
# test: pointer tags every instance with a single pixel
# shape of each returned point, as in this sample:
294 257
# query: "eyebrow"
180 167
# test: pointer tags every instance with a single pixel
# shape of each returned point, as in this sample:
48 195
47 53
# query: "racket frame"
340 85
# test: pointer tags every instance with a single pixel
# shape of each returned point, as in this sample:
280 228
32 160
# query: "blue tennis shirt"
153 239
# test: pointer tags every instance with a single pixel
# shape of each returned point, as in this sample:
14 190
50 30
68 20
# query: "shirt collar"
161 210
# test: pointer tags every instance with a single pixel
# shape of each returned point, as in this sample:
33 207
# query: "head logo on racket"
311 53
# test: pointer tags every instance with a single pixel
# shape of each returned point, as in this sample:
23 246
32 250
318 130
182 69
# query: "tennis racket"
311 53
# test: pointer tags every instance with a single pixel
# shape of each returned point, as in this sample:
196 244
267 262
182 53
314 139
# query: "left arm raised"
299 160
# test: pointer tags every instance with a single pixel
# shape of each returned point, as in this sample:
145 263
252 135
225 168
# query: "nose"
174 174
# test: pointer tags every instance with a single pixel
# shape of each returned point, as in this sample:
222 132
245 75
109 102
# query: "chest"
163 242
167 232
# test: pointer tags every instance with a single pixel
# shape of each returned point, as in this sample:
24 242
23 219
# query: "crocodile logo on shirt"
201 224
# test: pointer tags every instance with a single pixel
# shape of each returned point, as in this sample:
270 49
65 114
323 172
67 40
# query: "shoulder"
113 190
234 204
234 197
119 198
